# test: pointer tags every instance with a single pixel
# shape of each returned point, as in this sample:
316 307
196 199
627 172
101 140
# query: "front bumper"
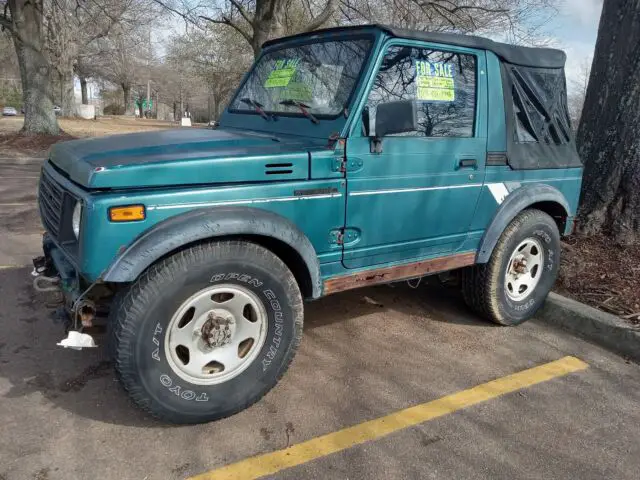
54 272
55 264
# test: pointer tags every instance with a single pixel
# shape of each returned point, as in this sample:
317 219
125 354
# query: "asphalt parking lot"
366 354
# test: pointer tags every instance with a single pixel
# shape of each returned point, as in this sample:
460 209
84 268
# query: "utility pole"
148 77
148 95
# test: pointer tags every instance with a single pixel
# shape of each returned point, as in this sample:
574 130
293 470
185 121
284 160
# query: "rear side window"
443 83
540 107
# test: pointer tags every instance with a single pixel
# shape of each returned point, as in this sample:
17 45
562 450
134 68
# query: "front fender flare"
513 204
207 223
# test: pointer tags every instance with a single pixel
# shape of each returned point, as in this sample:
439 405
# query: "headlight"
75 219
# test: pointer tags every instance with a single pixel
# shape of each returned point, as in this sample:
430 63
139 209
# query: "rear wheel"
523 267
208 331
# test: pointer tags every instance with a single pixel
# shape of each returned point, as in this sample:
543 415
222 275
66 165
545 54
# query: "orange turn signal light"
127 213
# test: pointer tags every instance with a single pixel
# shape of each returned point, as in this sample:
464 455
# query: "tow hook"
84 312
76 339
42 283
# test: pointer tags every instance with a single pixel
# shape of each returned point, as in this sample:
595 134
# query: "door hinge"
344 165
340 165
336 236
342 236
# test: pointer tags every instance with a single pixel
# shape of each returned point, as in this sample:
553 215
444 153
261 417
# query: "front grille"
51 201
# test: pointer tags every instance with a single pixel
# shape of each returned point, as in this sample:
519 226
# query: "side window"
443 84
540 105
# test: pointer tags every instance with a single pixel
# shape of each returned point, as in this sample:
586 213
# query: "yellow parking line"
270 463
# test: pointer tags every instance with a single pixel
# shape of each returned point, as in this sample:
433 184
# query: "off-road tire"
483 285
144 311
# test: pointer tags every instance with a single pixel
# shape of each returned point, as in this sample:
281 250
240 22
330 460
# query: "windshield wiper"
257 107
303 108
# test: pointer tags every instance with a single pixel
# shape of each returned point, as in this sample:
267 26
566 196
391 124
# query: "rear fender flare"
209 223
513 204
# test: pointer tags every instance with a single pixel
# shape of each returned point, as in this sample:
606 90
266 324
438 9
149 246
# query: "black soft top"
523 56
538 133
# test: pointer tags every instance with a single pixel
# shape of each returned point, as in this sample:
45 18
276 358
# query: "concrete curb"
602 328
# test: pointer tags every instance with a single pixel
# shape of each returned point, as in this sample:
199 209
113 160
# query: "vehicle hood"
182 157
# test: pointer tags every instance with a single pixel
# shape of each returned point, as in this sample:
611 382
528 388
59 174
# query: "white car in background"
9 112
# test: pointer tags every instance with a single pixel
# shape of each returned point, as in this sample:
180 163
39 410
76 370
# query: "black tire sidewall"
175 394
545 231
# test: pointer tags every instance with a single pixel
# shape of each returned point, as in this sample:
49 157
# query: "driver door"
417 196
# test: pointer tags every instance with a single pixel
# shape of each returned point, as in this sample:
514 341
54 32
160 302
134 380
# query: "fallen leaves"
603 275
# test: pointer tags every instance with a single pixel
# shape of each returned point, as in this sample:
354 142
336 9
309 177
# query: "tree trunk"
68 100
609 133
126 96
140 104
35 69
268 23
83 91
217 102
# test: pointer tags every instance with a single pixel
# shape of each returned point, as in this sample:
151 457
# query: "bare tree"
257 20
517 21
48 36
25 21
121 60
72 27
609 132
214 59
10 91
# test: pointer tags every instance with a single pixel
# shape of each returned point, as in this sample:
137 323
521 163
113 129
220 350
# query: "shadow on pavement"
83 382
437 302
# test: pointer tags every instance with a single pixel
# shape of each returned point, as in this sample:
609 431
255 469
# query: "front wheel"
208 331
523 267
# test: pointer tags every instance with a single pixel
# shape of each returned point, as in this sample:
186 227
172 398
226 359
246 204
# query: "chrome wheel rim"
216 334
524 269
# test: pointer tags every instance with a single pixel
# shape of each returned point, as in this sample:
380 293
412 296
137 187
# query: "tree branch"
243 12
185 16
235 26
5 22
322 17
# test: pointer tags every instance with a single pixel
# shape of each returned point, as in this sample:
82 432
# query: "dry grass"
92 128
14 145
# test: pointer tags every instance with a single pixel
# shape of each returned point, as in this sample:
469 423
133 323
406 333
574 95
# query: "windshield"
320 76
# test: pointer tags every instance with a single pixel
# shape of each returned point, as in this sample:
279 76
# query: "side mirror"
394 117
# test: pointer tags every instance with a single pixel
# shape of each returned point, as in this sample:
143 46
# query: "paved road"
365 354
20 230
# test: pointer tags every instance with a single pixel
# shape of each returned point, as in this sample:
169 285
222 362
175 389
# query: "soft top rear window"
538 126
540 105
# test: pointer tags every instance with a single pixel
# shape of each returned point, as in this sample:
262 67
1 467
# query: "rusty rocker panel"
398 272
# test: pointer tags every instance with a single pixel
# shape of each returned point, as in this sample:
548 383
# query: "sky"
575 30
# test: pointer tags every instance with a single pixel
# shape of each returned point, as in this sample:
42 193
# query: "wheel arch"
182 231
540 196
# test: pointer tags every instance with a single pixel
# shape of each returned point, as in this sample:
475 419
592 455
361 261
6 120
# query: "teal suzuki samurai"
348 157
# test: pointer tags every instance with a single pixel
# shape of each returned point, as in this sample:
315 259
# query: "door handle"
467 163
